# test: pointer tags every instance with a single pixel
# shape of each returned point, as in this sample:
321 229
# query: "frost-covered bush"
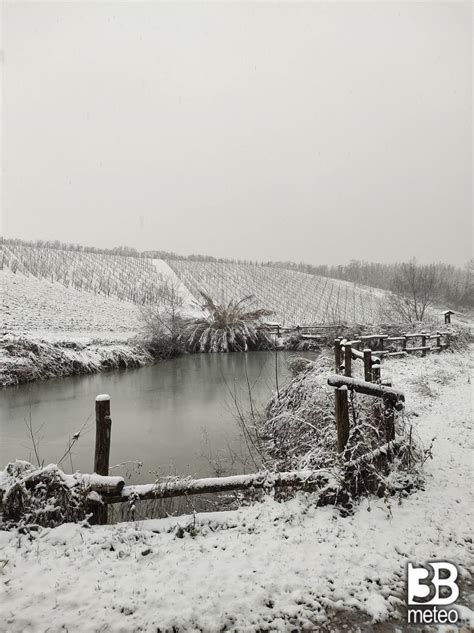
296 343
230 327
299 427
162 322
32 496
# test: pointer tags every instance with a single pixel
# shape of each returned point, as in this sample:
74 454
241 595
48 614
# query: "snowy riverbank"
50 330
273 566
25 359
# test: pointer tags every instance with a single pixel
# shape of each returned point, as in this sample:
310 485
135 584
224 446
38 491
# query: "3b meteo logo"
430 587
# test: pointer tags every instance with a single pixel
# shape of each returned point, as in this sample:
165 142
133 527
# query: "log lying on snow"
393 396
292 479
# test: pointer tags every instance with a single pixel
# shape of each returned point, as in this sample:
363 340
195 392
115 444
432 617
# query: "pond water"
176 417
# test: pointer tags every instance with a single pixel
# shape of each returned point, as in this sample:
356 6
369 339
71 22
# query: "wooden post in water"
103 429
342 418
337 354
348 360
367 365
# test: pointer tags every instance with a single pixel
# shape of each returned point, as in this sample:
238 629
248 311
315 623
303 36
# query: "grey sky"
315 132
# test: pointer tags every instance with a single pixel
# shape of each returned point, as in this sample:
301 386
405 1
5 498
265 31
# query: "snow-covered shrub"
297 364
299 427
296 343
230 327
162 322
32 496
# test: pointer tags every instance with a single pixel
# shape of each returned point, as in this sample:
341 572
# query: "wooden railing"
346 351
305 331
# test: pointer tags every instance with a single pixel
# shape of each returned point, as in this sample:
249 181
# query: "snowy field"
38 308
271 567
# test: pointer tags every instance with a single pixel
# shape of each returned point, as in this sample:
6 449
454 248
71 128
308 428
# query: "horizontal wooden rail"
368 388
420 348
185 487
102 484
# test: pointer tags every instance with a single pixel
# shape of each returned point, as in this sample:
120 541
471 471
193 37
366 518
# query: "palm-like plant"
230 327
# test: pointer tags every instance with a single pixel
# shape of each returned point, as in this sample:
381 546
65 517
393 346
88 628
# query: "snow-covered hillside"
43 309
296 298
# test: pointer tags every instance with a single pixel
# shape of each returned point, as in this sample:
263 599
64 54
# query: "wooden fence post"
405 341
103 429
337 354
438 339
348 360
376 371
423 343
342 418
389 420
367 365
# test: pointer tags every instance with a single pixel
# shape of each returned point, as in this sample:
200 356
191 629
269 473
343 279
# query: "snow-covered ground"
38 308
270 567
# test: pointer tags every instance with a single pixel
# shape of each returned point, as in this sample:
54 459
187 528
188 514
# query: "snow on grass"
272 566
24 359
39 308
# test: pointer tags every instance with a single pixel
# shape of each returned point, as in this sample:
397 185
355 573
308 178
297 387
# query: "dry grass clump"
299 428
230 327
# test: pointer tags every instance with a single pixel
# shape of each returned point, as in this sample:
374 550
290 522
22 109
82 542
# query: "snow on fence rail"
255 481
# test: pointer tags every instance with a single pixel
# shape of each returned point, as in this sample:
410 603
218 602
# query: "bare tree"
413 290
162 322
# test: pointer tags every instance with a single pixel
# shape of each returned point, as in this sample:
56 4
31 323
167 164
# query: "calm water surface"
177 417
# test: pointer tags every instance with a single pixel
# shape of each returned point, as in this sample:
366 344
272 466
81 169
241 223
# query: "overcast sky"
308 132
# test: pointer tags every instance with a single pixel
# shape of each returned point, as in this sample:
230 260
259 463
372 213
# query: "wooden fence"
346 351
